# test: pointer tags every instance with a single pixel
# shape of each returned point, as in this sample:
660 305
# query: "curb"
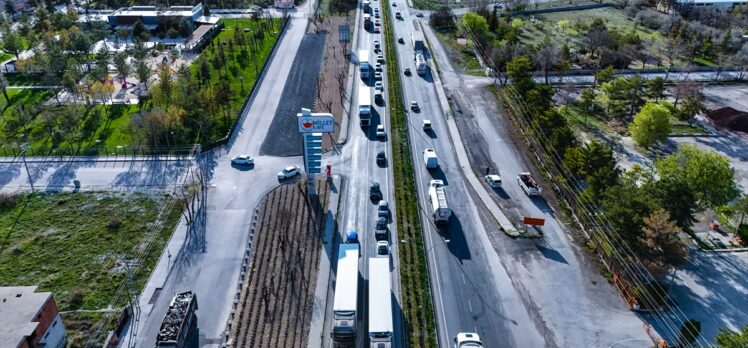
319 306
345 123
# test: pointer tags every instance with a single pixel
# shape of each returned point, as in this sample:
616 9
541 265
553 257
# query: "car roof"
290 168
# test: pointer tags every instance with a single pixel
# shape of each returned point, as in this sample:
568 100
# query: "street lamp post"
446 241
24 147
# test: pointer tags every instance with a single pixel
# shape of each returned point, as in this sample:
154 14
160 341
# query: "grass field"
79 245
26 97
419 323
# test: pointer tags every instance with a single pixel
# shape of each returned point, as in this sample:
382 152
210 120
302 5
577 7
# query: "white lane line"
470 305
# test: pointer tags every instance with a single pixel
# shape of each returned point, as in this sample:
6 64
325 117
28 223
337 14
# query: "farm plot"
275 305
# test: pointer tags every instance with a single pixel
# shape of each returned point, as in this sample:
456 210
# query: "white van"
430 158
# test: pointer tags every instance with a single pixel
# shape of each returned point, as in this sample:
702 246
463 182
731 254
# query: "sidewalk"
462 157
317 324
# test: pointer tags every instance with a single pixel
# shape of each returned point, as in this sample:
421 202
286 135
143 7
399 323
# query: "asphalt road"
570 303
356 162
209 264
471 294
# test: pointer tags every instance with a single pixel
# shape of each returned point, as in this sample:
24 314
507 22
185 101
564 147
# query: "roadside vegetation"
644 208
178 104
80 246
420 330
636 36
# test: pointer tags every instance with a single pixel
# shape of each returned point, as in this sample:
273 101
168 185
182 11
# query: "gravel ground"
275 306
283 138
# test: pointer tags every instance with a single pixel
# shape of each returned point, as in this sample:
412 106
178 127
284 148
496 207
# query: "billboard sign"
315 123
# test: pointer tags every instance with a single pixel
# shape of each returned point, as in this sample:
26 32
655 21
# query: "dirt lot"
275 305
283 137
331 82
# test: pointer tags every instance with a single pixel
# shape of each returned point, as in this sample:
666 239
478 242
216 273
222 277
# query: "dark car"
381 223
381 158
374 192
380 234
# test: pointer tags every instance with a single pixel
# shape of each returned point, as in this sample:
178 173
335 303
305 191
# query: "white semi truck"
380 303
439 208
364 68
364 105
346 294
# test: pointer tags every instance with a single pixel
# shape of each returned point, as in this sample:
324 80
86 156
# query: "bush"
114 224
7 200
743 233
75 298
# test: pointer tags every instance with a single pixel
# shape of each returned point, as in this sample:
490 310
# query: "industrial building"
29 319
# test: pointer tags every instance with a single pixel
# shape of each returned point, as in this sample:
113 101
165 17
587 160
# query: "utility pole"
24 147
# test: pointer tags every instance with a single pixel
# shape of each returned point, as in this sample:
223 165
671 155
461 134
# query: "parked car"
377 30
288 172
380 58
378 67
380 234
400 40
381 223
493 180
243 159
419 14
377 22
378 75
383 249
376 43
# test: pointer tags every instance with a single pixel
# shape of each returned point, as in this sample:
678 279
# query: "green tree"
122 65
594 162
662 248
689 332
604 75
477 26
587 100
627 203
12 43
143 71
519 71
650 125
730 339
706 174
691 106
4 87
656 88
555 129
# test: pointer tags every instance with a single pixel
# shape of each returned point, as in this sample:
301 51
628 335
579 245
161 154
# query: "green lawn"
576 117
26 97
76 245
686 129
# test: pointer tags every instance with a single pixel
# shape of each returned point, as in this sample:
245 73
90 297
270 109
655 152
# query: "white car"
378 67
380 58
377 22
243 159
426 124
288 172
378 75
376 43
380 131
414 105
493 180
378 86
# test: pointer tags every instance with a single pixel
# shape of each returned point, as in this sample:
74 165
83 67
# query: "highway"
356 163
471 293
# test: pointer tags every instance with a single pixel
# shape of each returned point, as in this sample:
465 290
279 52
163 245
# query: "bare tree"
547 57
596 40
740 59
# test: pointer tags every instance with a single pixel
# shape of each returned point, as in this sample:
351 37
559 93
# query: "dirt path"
275 305
333 75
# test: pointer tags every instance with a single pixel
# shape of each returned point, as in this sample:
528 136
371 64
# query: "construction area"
275 305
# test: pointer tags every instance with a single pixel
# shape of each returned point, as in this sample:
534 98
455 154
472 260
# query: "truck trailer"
416 38
421 66
179 322
438 197
346 294
364 105
380 303
364 68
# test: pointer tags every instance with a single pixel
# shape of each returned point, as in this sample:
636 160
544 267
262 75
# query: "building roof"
153 11
19 305
208 19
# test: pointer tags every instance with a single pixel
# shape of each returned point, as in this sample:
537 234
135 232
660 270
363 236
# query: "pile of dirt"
730 118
